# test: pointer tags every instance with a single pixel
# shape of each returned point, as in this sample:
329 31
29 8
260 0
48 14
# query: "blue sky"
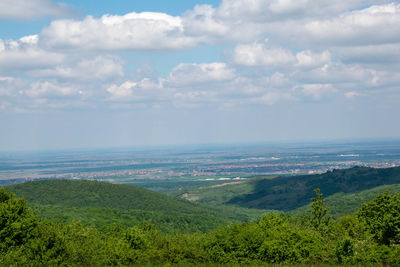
78 74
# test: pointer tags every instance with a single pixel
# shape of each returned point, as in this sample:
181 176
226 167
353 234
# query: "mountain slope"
97 194
102 203
289 193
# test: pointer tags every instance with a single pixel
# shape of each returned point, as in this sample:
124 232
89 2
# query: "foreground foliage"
311 238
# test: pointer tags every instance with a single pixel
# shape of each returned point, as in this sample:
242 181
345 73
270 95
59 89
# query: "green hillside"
100 203
342 204
289 193
217 195
343 189
74 193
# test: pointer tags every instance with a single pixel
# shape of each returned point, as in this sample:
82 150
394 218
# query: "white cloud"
192 74
369 26
314 49
98 68
263 55
50 89
29 39
202 21
32 9
339 74
143 90
194 85
239 21
122 91
317 91
146 31
258 54
308 59
281 10
25 54
205 25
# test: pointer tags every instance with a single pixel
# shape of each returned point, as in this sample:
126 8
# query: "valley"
294 203
168 168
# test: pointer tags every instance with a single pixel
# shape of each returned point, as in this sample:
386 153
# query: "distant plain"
169 168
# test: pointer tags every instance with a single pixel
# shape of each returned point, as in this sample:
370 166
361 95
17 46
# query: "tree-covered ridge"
289 193
83 193
312 238
99 204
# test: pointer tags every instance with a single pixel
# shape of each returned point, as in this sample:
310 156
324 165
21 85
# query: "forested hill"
75 193
99 203
289 193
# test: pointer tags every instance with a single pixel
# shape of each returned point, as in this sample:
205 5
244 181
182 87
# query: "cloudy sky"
79 74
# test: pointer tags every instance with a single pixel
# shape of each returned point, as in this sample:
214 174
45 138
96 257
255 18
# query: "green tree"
382 217
320 217
24 238
345 250
17 224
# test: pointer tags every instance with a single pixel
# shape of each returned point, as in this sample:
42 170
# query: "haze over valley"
173 167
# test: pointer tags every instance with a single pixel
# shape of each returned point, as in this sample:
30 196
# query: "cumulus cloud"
314 49
50 89
202 21
206 25
186 74
355 28
281 10
24 96
337 73
98 68
239 21
142 90
25 54
191 85
148 31
263 55
309 59
259 55
32 9
372 25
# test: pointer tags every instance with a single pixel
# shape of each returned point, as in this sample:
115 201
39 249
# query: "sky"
95 74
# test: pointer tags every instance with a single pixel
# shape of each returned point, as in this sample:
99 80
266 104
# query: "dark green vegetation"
100 203
370 236
351 186
289 193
